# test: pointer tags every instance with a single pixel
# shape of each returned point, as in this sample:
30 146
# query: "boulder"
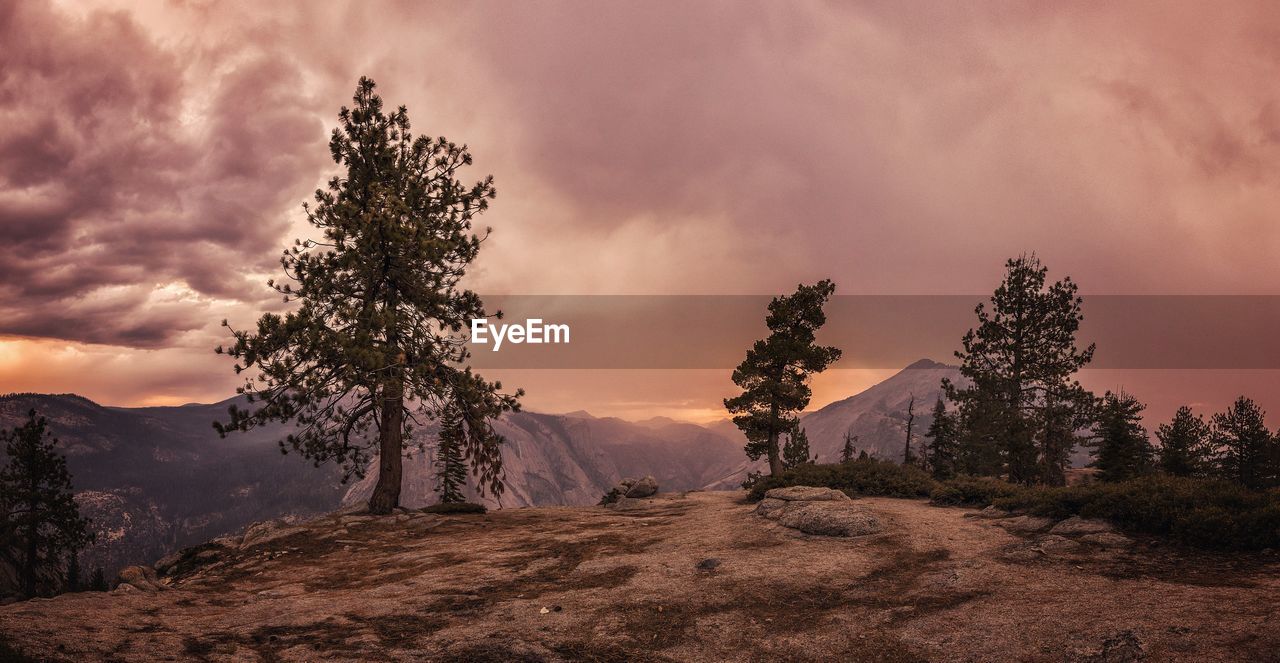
807 494
1075 526
1108 540
141 578
1025 524
830 518
771 507
646 486
992 512
169 561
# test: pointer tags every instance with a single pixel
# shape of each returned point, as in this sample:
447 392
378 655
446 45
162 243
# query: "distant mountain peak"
578 414
927 363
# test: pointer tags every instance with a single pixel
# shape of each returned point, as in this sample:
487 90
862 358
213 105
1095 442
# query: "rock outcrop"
645 486
820 511
138 578
828 518
806 494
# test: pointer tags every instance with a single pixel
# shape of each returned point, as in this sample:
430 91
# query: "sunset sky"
154 157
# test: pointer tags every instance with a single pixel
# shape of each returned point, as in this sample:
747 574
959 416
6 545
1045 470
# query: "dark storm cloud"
125 167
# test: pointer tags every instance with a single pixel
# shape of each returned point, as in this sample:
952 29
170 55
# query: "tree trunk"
33 549
775 459
911 419
386 494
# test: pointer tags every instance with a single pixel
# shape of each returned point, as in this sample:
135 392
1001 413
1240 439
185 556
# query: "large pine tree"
1184 444
1123 449
376 340
775 374
1246 450
1020 362
41 523
941 449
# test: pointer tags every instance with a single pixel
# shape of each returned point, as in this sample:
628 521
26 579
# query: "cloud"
154 155
125 166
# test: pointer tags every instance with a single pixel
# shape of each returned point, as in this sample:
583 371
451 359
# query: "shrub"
455 507
610 497
967 490
1200 512
864 476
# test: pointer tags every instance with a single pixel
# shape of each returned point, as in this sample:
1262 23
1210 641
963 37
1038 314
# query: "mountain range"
157 479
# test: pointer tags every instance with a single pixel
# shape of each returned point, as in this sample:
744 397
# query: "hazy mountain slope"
878 415
574 459
153 479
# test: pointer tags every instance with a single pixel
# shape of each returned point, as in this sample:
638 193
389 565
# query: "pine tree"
377 331
1123 448
978 437
41 520
1184 444
775 374
1246 450
796 450
98 581
846 453
1059 420
944 439
451 470
1020 361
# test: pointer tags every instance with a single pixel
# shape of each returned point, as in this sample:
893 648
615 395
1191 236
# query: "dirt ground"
593 584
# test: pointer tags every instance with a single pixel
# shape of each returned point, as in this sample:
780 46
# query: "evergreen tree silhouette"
1123 448
378 331
41 523
1020 361
775 374
1184 444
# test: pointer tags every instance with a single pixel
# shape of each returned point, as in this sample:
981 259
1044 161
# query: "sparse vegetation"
862 476
1208 513
967 490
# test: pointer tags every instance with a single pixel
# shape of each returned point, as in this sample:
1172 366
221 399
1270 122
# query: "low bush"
1200 512
864 476
455 507
972 491
610 497
1205 513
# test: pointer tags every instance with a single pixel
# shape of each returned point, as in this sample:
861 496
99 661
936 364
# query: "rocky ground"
692 577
